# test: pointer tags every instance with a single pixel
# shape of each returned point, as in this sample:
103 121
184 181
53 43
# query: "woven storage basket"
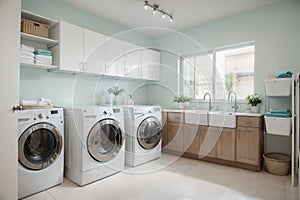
277 163
34 28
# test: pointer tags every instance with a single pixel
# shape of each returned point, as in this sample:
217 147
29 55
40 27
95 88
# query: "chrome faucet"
209 100
235 106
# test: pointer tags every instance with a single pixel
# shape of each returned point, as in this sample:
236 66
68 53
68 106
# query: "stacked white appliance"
40 150
94 144
143 126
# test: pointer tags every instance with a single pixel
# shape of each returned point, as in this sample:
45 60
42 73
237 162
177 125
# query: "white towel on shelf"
28 61
42 57
26 57
43 62
26 47
26 53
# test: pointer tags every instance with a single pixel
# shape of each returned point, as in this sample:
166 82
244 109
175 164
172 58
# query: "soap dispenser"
130 100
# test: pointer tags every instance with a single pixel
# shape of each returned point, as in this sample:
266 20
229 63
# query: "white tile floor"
182 179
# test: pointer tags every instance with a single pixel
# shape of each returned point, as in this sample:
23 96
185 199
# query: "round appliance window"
149 133
39 146
105 140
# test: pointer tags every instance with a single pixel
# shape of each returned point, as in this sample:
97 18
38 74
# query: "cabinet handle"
85 66
81 66
106 69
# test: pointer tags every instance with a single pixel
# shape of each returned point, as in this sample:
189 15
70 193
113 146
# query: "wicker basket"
277 163
34 28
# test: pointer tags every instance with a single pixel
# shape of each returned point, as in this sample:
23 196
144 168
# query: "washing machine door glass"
105 140
149 133
39 146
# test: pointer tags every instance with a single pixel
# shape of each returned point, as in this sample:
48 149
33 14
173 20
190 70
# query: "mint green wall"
274 28
70 89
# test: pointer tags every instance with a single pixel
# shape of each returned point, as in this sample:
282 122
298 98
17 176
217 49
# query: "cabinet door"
226 144
191 139
71 47
133 56
94 52
150 64
114 57
208 141
164 129
175 137
247 145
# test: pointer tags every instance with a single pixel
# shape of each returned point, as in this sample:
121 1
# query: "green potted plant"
115 91
254 100
183 101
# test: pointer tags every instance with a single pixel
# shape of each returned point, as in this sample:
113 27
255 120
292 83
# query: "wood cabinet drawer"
248 121
175 117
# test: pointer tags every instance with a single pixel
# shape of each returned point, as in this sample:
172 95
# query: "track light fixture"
155 9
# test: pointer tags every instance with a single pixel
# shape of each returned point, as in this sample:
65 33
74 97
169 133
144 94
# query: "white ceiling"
187 13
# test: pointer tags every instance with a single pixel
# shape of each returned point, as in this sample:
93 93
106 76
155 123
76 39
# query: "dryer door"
105 140
39 146
149 133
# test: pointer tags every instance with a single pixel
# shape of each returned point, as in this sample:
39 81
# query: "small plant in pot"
254 100
183 101
115 91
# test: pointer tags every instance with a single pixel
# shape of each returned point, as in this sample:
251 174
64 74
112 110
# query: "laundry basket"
277 163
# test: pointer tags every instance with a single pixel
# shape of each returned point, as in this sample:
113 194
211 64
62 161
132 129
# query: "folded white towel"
27 61
28 103
43 62
27 53
26 47
42 57
26 57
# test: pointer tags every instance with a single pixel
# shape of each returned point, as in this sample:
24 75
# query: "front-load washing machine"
143 126
40 150
94 144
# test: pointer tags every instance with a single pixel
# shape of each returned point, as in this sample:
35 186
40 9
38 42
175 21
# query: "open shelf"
38 66
47 41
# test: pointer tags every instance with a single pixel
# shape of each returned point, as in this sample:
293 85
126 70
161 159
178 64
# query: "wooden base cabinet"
191 139
249 141
164 132
226 144
175 128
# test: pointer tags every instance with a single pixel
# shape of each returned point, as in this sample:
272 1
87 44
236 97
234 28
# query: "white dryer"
143 126
94 144
40 150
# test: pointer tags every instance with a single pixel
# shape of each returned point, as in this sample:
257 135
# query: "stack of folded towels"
279 113
287 74
26 54
43 57
39 102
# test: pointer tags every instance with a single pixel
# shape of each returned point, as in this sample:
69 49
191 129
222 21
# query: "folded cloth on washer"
284 111
27 48
28 102
43 102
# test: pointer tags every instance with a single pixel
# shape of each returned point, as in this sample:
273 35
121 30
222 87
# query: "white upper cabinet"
78 49
94 52
114 57
133 61
150 65
70 49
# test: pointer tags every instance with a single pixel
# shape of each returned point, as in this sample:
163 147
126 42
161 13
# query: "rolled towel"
28 103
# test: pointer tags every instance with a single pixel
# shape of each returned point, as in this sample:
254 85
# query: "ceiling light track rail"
155 8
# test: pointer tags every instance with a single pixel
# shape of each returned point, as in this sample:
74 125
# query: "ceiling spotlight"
155 9
146 5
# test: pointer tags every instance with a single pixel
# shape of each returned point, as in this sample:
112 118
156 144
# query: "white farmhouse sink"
196 117
222 119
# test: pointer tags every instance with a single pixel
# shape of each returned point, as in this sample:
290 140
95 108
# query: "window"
218 72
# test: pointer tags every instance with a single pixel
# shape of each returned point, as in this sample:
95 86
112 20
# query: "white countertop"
195 110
